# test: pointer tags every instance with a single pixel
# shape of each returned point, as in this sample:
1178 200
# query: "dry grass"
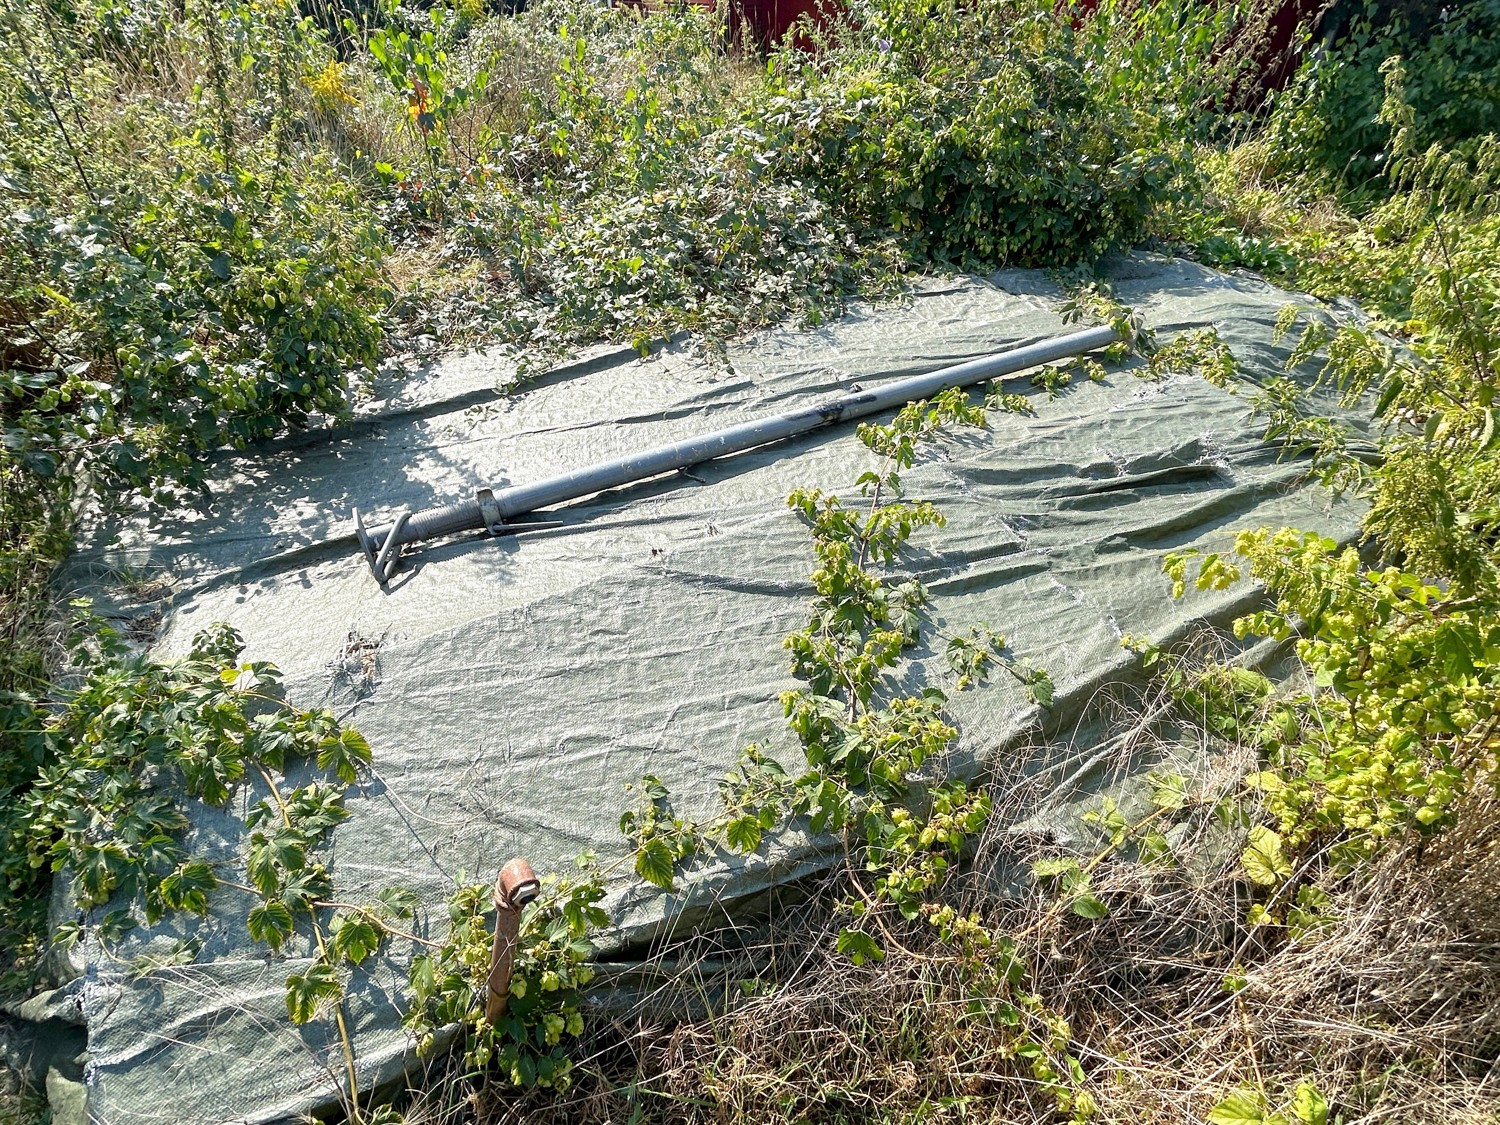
21 1103
1392 1009
32 541
1244 187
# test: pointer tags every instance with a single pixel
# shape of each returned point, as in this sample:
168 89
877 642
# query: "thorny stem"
366 912
60 52
1260 1081
333 904
219 75
864 539
286 815
864 553
344 1041
872 912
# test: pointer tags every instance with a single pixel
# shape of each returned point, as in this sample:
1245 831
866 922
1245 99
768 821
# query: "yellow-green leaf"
1263 858
1309 1106
1243 1107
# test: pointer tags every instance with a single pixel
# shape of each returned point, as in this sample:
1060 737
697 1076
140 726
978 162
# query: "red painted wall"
766 22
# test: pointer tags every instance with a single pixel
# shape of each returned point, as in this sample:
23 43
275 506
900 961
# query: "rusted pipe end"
516 886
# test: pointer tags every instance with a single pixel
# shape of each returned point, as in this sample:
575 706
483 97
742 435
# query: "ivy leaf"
1155 848
302 890
1456 645
158 853
270 922
66 935
317 807
654 789
1267 781
859 947
274 740
306 993
653 863
1263 858
261 813
1039 686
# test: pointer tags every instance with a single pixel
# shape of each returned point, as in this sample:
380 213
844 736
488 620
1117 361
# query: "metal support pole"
492 510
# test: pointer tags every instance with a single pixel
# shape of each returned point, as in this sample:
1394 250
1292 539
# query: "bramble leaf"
1168 791
398 902
187 888
1052 868
1244 1107
342 753
1086 904
270 922
354 939
743 834
1309 1106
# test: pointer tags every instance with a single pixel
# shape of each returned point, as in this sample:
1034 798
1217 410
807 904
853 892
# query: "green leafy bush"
1023 153
100 779
616 208
874 754
168 323
1402 726
1398 725
1327 125
200 287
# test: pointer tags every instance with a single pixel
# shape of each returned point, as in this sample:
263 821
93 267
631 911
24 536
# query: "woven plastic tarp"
512 687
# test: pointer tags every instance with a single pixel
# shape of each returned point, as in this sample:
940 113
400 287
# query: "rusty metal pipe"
515 888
